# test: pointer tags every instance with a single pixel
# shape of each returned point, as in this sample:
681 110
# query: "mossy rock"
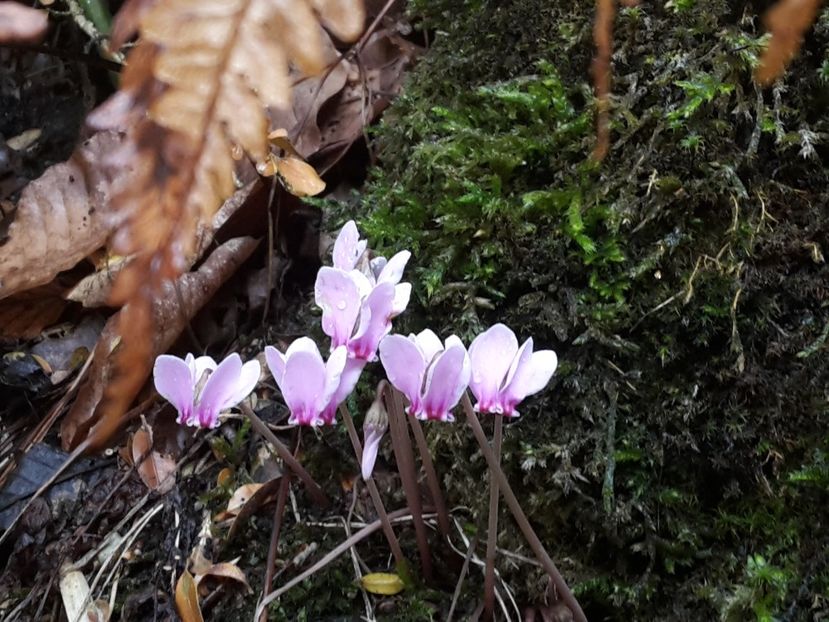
678 466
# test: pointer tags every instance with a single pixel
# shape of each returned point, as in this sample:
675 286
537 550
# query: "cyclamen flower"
359 298
432 375
504 374
200 389
374 427
307 383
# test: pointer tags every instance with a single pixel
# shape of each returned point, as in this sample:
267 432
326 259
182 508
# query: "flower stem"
388 530
532 539
492 527
287 457
431 476
404 455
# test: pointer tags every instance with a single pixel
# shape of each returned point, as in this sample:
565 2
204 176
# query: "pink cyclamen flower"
307 383
374 427
432 375
504 374
359 298
200 389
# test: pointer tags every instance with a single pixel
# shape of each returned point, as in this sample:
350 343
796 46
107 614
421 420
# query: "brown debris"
787 21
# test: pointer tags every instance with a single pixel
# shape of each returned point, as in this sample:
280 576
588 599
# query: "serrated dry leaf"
187 599
787 21
157 471
195 289
21 24
61 217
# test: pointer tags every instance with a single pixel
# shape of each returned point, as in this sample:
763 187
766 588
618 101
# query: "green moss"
681 282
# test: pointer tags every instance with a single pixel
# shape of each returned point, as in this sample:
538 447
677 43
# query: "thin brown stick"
404 456
492 527
279 512
431 476
329 557
287 457
518 513
603 39
388 530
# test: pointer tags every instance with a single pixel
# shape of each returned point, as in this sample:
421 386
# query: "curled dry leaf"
224 570
21 24
193 289
187 599
94 290
263 495
61 217
157 471
25 314
787 21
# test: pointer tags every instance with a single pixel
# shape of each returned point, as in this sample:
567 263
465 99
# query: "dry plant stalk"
787 21
603 39
196 88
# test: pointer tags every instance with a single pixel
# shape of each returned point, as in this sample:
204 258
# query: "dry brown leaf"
95 289
238 500
299 178
224 570
61 217
787 21
263 495
156 470
195 289
187 599
26 314
21 24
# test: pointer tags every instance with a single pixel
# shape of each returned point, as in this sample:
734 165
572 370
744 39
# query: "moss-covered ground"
678 468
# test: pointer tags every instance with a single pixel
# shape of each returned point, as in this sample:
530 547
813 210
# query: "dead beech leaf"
156 470
787 21
61 218
224 570
238 500
195 290
264 494
187 599
299 177
25 314
95 289
21 24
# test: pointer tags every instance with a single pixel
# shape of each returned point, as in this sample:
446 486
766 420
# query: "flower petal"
276 363
392 272
220 386
348 380
248 379
303 385
429 343
303 344
348 247
377 264
402 294
174 382
371 444
446 380
337 294
333 373
405 367
491 354
375 322
529 373
201 365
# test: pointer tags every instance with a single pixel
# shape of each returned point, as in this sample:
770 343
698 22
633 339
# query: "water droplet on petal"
341 305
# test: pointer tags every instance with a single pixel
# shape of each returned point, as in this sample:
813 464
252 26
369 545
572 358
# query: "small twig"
327 559
287 457
492 527
279 512
404 455
431 476
464 569
388 530
518 513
